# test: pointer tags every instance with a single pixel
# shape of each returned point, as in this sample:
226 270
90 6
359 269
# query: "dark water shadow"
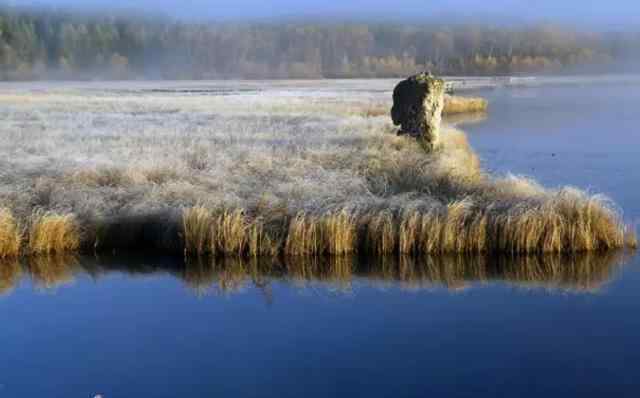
583 273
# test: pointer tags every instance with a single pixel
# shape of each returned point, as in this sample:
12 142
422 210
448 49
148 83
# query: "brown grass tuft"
456 105
303 237
197 223
339 233
51 233
10 235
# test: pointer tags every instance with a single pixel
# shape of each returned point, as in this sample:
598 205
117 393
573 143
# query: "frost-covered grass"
277 169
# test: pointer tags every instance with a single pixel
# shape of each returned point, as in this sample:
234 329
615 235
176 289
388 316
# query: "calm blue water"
586 136
155 327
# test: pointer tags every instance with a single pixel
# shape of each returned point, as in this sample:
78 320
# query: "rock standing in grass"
417 107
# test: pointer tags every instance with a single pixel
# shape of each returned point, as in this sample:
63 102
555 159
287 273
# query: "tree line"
51 43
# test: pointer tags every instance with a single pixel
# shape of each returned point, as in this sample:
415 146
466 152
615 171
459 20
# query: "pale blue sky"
609 12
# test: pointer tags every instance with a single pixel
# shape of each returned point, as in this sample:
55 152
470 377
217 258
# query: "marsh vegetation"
278 171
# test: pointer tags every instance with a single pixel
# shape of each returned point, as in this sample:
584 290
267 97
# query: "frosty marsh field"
260 183
297 168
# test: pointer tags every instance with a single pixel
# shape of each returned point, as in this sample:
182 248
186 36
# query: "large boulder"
417 107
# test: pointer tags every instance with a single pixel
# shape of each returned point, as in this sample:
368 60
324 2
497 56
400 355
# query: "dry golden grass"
51 233
566 221
234 233
198 222
10 235
631 238
227 233
465 211
339 233
455 105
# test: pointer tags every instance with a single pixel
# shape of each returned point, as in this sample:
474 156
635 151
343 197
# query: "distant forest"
55 44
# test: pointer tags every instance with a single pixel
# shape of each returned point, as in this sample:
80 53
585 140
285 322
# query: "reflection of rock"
417 107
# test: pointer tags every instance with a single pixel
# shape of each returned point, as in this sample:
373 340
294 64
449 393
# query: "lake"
156 326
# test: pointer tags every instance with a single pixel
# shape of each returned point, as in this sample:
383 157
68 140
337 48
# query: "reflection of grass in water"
10 275
582 272
586 272
338 271
234 274
577 272
48 272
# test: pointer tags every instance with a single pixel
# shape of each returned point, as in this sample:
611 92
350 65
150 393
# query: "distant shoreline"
455 83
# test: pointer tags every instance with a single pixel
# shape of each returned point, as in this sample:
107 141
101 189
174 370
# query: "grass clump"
10 235
226 232
197 224
51 233
455 105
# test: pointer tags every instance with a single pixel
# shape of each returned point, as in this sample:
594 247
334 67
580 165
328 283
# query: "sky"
601 12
